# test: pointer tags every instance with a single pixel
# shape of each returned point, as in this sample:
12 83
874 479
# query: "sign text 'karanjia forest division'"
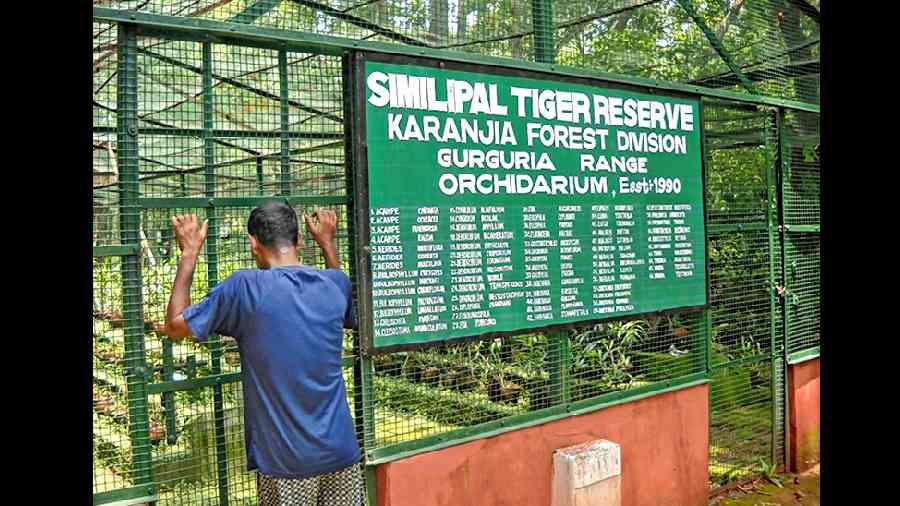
502 203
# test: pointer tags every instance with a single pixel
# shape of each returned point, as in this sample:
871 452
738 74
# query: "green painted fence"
212 106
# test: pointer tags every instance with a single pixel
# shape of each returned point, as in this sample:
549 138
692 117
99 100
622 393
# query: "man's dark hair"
274 223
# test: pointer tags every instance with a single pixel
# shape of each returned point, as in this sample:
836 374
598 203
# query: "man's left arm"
322 231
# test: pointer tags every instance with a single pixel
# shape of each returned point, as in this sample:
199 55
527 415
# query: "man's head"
273 231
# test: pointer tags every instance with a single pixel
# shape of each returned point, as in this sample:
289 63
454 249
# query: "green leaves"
770 473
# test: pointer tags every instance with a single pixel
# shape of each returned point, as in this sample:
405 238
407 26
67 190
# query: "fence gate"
746 368
763 200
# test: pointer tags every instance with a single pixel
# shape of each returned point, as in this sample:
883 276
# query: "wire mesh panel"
210 121
779 428
764 46
774 43
440 389
800 187
740 420
433 391
646 38
801 172
740 151
496 27
802 297
618 356
112 442
105 169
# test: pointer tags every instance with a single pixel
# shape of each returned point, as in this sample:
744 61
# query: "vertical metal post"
129 229
558 354
782 167
542 20
363 403
704 356
168 398
212 265
773 250
363 369
285 124
371 486
259 175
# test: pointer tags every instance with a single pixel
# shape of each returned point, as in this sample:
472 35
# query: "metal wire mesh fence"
105 169
800 187
802 296
741 425
213 128
762 46
270 125
450 387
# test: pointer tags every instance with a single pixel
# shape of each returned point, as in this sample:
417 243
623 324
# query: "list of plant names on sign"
501 203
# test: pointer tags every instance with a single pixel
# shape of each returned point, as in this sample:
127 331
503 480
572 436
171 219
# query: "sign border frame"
358 198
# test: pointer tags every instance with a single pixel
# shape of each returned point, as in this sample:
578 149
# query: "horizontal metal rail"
741 361
116 251
223 134
722 228
190 384
211 380
203 202
247 35
143 494
802 228
803 355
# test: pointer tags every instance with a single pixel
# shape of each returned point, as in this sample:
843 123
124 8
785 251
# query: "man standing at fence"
287 319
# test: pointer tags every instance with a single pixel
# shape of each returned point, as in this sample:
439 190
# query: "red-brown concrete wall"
803 400
664 443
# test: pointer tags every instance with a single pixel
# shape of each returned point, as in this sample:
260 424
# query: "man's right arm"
190 235
176 326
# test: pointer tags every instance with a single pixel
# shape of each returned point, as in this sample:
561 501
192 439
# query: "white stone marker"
587 474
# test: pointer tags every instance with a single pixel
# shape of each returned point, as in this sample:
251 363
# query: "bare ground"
802 489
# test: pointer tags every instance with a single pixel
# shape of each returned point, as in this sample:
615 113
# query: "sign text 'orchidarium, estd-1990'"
502 203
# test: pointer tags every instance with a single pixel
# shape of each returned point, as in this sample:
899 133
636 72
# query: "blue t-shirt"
288 325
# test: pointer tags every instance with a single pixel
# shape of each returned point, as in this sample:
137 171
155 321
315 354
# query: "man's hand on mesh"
189 233
322 231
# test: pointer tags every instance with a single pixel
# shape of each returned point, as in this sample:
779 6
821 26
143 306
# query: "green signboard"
494 201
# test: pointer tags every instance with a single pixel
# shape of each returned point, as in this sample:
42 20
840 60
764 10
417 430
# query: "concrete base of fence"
587 474
665 462
803 379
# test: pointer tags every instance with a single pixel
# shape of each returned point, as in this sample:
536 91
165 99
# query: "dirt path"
800 489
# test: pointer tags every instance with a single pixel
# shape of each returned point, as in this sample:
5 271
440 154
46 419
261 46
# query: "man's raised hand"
189 233
322 231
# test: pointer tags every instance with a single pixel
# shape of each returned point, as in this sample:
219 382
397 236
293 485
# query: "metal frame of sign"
358 195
